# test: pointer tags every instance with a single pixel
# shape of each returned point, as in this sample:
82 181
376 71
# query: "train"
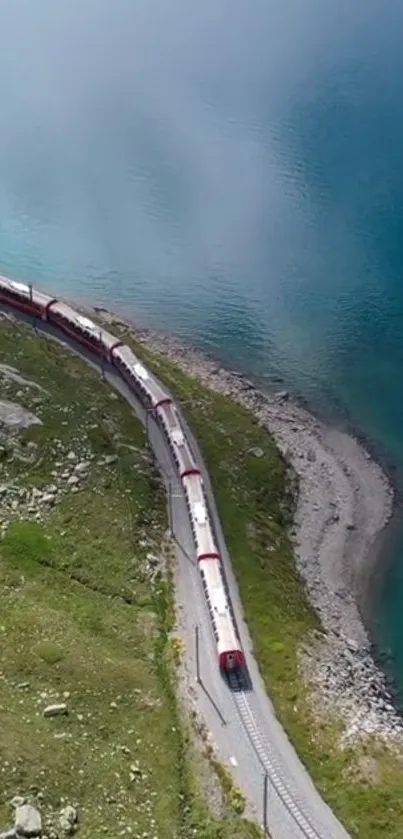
155 399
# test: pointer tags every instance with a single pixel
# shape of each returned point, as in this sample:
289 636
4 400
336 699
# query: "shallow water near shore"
240 185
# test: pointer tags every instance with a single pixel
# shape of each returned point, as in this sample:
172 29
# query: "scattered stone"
68 819
55 710
28 821
48 498
82 467
256 451
135 769
109 459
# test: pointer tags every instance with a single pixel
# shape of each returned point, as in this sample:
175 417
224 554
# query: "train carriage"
196 503
230 653
171 426
24 297
145 386
81 328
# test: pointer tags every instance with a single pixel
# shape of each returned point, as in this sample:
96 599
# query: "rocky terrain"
28 821
78 716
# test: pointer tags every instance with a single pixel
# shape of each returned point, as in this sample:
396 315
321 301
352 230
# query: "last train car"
24 298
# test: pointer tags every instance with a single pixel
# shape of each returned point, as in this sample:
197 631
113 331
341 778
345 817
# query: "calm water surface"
229 171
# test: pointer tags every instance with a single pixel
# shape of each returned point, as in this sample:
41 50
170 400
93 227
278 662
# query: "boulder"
256 451
28 821
68 819
55 710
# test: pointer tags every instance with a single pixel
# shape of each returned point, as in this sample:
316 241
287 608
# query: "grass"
82 623
255 502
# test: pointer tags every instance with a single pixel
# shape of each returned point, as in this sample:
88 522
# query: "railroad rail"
269 761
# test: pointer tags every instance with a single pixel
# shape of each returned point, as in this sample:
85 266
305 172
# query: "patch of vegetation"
82 620
256 507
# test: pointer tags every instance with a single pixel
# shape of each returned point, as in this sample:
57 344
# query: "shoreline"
345 501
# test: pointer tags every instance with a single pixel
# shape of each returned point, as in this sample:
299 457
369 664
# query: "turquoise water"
232 172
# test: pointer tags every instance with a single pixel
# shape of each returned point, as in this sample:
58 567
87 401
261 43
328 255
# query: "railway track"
270 763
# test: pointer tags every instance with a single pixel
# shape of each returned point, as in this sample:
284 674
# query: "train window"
18 295
215 630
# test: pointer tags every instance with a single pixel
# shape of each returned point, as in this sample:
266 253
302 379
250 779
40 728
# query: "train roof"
132 363
179 440
218 604
203 532
25 289
85 323
194 486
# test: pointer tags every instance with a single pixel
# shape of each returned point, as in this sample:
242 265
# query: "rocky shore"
344 502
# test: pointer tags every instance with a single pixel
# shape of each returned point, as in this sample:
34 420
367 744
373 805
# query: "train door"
231 661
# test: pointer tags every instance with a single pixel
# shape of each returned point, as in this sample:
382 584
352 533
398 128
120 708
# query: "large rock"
28 821
55 710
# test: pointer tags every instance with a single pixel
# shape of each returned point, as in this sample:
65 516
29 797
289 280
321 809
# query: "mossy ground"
83 622
362 784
